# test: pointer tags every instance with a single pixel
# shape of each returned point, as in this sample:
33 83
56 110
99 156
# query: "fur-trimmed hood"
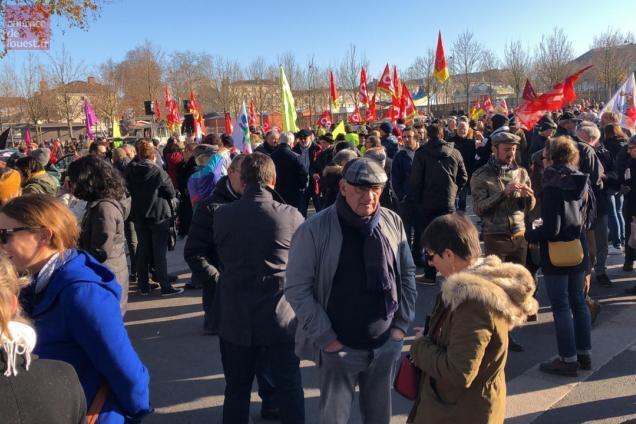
504 287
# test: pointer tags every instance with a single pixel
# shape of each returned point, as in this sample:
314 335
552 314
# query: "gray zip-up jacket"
313 259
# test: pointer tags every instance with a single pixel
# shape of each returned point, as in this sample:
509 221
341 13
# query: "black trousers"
424 218
240 365
151 251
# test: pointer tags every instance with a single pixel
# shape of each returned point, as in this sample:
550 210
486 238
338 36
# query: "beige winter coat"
463 379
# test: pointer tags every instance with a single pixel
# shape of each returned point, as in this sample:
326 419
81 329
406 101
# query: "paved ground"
187 378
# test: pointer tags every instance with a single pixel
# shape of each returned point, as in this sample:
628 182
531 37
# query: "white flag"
623 102
241 132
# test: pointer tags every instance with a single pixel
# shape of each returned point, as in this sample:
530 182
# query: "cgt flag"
386 83
252 117
157 111
408 111
371 115
325 120
355 117
228 124
363 91
440 73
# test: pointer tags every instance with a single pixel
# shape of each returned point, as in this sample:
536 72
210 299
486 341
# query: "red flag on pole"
396 83
157 111
333 92
325 120
487 104
561 94
252 118
440 73
386 83
267 126
408 110
228 124
528 91
355 117
371 114
363 91
168 96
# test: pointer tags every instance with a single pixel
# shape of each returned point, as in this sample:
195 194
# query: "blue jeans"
571 315
372 370
241 364
615 217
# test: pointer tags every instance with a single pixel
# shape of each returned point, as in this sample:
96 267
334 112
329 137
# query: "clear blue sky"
386 31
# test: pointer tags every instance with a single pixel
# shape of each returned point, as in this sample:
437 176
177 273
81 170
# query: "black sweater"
49 392
356 314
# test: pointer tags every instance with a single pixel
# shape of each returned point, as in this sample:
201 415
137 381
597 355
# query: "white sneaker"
612 250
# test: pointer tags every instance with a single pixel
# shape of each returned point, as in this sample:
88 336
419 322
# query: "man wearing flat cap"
567 124
546 129
502 196
351 282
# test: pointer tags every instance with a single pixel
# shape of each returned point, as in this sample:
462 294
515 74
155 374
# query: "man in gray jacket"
351 282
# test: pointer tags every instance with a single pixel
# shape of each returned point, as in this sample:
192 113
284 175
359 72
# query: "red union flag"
364 90
355 117
386 83
371 114
325 120
27 27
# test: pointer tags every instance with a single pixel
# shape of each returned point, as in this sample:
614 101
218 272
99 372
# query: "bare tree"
466 59
292 69
108 94
611 64
553 56
63 71
8 91
141 73
422 70
264 77
189 71
225 74
517 64
489 65
348 72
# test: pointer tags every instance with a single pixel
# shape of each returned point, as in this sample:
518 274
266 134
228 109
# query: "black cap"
567 116
547 124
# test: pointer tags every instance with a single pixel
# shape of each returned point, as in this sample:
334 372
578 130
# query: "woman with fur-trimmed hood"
463 354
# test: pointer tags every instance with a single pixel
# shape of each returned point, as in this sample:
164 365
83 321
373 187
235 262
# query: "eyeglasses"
6 232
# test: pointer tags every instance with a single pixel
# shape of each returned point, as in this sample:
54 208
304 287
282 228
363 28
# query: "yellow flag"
116 130
288 109
340 129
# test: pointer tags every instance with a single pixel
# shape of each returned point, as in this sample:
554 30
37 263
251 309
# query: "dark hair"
434 131
373 141
257 168
94 178
27 166
455 233
95 144
145 150
341 145
227 141
340 137
171 146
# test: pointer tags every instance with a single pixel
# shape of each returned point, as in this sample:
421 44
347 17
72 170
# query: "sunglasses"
428 256
6 232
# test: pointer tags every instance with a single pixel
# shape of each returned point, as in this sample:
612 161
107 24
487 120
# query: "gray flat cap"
505 138
365 172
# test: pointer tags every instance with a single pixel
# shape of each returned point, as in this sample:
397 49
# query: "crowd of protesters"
312 248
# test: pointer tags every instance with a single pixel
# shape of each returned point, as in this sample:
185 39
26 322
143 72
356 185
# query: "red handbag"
407 380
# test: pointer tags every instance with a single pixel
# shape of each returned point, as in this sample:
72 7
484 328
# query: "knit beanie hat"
10 184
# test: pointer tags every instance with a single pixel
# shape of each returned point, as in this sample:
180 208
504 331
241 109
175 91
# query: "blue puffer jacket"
78 321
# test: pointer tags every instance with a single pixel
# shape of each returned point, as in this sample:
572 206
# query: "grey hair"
591 131
286 137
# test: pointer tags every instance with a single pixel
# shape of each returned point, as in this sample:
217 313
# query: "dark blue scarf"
378 255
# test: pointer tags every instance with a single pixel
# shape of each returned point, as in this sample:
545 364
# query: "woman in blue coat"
73 301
